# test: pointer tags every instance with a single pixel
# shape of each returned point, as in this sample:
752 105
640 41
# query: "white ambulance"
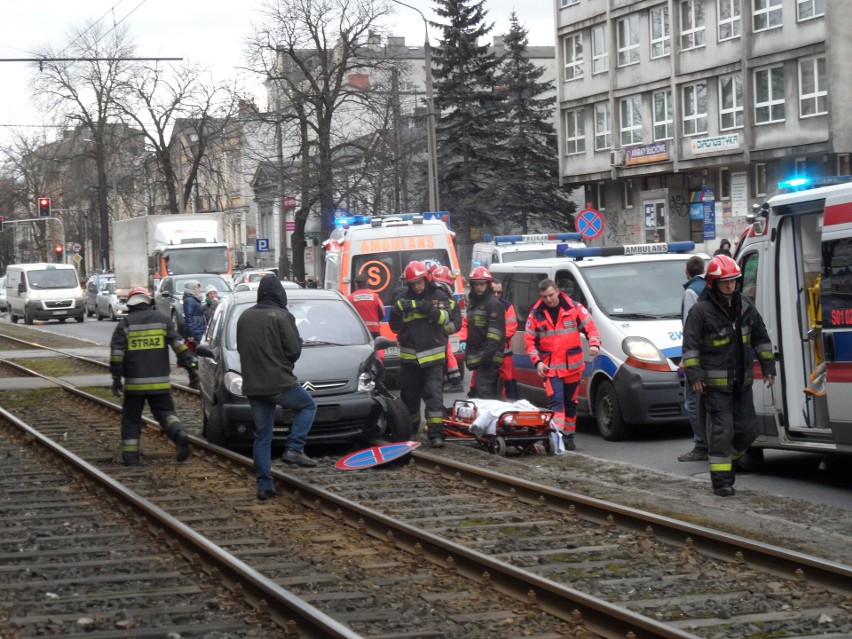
634 295
796 260
380 247
513 248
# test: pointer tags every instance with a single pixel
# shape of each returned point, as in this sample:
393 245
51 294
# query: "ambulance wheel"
398 427
499 446
610 419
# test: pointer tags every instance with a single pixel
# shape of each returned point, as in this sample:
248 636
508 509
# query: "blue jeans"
263 413
690 403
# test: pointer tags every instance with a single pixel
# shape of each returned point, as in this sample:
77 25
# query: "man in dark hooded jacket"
269 345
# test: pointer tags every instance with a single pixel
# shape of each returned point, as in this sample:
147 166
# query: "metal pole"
431 139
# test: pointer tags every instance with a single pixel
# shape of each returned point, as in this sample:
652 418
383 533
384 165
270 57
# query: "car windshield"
203 259
53 278
206 280
319 322
536 254
638 290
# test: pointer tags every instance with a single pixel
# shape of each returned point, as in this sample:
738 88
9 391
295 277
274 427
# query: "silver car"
107 303
3 305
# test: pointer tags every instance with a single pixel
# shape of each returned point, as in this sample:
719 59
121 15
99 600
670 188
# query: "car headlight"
641 353
366 382
234 383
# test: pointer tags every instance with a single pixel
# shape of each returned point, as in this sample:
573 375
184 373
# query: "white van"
43 291
634 295
513 248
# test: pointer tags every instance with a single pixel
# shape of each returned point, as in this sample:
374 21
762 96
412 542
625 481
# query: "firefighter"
443 278
139 354
721 330
486 335
552 340
368 304
419 316
507 368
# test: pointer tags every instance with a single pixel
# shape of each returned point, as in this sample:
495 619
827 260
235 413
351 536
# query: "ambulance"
513 248
634 295
796 260
380 247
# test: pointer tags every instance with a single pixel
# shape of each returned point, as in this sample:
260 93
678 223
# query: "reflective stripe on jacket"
369 307
558 344
422 340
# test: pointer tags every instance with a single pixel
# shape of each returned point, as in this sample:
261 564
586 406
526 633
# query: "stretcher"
495 425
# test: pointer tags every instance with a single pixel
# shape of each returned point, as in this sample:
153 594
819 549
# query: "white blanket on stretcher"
488 412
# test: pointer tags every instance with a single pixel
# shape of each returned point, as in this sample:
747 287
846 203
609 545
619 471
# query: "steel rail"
286 609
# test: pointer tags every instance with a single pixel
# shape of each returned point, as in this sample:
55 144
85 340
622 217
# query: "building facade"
676 116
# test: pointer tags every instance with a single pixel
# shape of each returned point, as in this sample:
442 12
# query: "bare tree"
179 113
80 86
315 55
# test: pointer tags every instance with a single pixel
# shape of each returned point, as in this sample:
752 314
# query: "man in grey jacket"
269 345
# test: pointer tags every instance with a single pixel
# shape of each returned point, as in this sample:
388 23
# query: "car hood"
328 369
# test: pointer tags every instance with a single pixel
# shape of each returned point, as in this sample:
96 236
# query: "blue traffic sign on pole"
261 245
589 223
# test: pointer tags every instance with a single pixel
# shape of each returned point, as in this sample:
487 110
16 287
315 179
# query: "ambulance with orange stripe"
379 247
796 260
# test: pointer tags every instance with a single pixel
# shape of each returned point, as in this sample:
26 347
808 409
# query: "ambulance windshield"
638 290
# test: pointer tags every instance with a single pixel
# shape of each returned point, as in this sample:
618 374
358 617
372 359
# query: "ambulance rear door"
835 294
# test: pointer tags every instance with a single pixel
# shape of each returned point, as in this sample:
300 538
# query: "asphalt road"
816 478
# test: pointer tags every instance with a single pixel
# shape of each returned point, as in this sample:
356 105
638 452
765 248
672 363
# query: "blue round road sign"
589 223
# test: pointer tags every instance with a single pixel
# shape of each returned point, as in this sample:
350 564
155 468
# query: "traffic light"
57 251
44 207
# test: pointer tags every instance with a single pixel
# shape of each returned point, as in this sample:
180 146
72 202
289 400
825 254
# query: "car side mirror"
202 350
383 342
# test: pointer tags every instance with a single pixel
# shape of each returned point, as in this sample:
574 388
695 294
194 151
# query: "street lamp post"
431 140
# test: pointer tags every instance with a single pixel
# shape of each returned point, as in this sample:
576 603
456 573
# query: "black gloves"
193 379
117 387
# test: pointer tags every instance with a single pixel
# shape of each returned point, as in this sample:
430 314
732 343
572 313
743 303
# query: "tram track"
551 553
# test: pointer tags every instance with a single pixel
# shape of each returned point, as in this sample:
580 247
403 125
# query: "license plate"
60 312
393 351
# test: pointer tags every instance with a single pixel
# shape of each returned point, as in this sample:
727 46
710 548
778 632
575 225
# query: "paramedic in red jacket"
368 304
552 340
507 368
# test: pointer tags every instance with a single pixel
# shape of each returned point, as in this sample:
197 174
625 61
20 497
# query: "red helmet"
443 275
721 268
139 295
414 271
480 273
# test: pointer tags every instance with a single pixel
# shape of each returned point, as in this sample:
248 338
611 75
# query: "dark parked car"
338 367
168 299
93 286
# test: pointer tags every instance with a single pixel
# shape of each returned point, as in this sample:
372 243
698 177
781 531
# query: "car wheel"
397 422
89 312
62 320
13 318
28 318
610 419
175 322
212 426
98 313
112 316
80 319
751 460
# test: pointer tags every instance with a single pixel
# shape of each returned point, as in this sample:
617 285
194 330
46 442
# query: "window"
767 14
843 164
691 24
628 194
568 3
575 132
600 58
601 196
813 87
800 166
603 129
730 19
807 9
661 34
663 116
724 183
731 102
750 270
574 56
769 95
759 180
627 35
631 120
694 109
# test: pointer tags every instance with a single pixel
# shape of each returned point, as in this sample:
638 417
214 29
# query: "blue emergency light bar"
535 237
376 220
658 248
802 183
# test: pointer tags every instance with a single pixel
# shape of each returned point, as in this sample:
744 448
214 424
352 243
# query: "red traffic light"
44 207
58 249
